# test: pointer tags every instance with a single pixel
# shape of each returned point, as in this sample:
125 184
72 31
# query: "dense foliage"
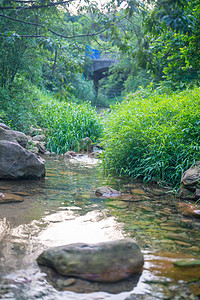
156 46
67 124
152 136
154 41
17 105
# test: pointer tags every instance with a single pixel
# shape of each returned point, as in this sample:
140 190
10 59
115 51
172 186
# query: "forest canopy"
159 39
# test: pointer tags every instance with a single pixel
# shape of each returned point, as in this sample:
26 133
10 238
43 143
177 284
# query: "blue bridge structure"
96 67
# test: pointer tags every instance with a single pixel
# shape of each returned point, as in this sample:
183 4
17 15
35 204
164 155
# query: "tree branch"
34 6
50 30
27 35
20 21
76 36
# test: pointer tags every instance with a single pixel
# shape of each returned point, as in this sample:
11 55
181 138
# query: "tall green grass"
155 137
24 105
67 124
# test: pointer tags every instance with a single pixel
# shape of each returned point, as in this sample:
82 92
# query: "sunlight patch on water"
83 160
66 228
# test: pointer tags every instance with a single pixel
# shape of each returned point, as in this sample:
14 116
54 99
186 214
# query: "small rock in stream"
64 283
8 198
188 210
187 263
103 262
106 191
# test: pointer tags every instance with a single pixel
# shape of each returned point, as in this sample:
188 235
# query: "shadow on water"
82 286
63 209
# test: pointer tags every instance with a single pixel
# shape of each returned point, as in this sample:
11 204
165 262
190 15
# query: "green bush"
23 106
83 89
155 137
17 105
67 123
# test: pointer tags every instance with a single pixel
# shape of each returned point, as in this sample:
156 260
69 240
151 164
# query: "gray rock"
103 262
18 163
4 126
191 176
35 131
41 147
106 191
190 187
70 154
39 138
36 147
13 136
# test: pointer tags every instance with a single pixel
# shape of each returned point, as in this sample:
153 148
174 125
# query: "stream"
62 208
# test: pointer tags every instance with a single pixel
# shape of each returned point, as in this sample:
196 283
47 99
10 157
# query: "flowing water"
63 209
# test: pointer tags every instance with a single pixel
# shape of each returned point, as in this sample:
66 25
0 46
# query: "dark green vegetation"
64 123
152 136
42 79
67 124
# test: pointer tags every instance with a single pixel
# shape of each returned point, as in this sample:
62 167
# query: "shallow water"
63 209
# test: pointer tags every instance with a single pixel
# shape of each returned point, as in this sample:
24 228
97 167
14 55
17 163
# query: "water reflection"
83 286
63 209
68 227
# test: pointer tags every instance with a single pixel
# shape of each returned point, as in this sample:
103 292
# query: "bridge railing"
96 54
92 53
110 55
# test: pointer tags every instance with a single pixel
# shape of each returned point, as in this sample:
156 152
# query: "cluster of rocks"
86 145
37 145
19 153
36 141
16 161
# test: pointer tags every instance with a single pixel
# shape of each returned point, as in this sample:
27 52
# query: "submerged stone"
188 210
195 288
65 282
177 236
106 191
187 263
102 262
8 198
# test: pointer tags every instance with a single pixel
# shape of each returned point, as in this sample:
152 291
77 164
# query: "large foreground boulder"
5 126
103 262
18 163
13 136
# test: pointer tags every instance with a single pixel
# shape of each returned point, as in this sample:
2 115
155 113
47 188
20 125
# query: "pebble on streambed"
8 198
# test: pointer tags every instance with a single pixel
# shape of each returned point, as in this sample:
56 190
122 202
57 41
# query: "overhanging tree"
46 23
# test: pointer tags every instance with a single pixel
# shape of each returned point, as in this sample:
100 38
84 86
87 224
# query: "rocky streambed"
63 209
93 238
